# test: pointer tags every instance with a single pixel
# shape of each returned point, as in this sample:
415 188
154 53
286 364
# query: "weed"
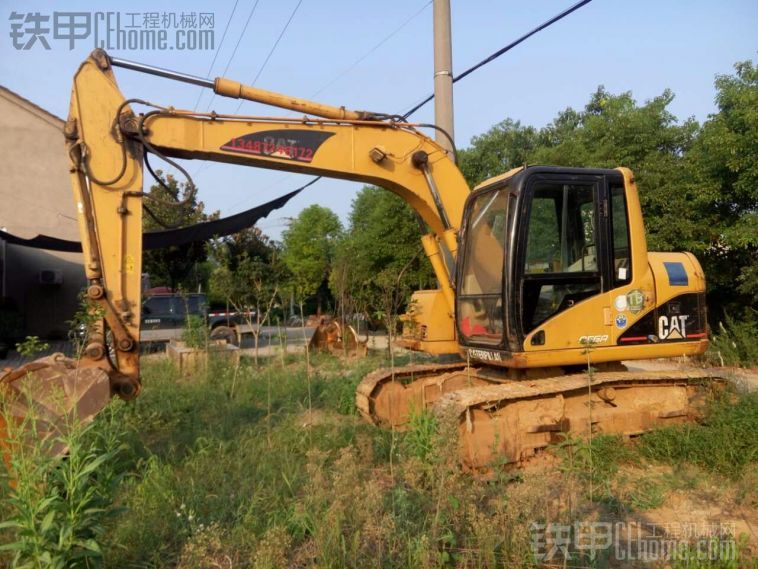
195 332
31 345
724 442
734 343
57 508
420 438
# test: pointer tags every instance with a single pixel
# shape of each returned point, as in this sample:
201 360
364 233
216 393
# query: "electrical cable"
273 48
503 50
236 46
218 49
371 51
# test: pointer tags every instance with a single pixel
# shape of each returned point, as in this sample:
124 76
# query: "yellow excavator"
541 271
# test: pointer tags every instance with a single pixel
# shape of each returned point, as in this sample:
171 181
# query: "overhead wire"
363 57
215 55
236 46
503 50
273 48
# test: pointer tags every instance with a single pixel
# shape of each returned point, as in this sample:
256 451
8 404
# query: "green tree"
505 146
175 205
380 260
724 192
309 245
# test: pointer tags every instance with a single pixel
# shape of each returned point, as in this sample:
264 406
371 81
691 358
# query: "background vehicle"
164 318
540 269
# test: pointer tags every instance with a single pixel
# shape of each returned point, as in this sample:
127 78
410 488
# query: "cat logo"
672 327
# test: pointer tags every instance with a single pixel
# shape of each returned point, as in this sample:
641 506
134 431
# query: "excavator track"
508 421
386 397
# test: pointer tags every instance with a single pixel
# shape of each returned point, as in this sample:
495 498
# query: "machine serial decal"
485 355
289 144
621 321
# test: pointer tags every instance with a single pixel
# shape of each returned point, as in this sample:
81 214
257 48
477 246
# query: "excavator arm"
107 142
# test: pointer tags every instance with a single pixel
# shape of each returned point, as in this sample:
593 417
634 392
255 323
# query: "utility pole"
443 73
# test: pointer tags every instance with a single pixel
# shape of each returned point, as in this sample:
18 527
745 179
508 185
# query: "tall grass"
733 342
277 473
725 442
55 510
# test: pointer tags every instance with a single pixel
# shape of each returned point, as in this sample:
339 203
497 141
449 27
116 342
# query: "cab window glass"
480 308
560 265
622 265
562 225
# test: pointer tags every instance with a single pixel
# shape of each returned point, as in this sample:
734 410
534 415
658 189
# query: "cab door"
563 262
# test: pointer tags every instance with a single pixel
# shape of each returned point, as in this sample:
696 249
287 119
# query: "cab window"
622 266
157 305
480 295
561 260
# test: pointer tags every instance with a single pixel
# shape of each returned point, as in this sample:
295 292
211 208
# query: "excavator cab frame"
589 285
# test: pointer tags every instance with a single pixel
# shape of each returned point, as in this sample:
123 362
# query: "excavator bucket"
47 395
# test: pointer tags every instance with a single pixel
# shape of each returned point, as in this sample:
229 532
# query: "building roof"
30 106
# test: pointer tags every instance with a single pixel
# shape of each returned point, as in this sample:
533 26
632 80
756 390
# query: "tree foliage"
309 245
380 254
724 167
175 205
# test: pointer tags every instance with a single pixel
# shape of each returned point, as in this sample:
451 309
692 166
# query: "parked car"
164 318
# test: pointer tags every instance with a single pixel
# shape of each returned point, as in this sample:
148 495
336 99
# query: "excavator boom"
107 142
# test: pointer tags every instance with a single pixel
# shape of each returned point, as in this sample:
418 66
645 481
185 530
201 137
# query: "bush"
734 344
55 509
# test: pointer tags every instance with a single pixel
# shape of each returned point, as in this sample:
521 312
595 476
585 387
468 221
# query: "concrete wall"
35 197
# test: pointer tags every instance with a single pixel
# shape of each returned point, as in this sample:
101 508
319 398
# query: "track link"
503 421
509 423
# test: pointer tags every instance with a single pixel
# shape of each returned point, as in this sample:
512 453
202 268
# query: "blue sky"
643 46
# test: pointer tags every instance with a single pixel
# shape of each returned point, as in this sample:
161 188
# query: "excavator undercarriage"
507 421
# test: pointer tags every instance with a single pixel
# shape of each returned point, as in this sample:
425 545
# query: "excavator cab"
553 260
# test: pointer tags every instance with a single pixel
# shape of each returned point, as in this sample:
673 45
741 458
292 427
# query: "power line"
503 50
263 65
372 50
457 78
215 55
236 46
273 48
